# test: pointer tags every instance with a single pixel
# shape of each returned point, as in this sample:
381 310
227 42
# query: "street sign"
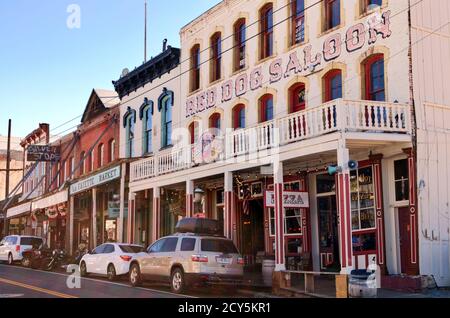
43 153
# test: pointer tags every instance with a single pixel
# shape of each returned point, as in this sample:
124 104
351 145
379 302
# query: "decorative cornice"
146 73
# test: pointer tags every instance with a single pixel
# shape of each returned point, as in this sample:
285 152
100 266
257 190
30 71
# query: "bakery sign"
95 180
297 62
299 200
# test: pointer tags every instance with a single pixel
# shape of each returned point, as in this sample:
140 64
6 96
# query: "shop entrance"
252 225
328 234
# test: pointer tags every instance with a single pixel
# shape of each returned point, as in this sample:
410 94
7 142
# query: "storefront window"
293 221
362 199
364 243
325 184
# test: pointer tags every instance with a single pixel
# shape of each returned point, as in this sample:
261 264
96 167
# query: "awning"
54 199
18 210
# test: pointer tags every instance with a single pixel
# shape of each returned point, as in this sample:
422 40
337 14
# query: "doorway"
328 234
252 226
404 238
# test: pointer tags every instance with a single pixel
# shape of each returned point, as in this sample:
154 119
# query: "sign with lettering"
290 199
297 63
95 180
43 153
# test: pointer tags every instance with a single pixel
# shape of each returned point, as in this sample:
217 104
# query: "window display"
362 199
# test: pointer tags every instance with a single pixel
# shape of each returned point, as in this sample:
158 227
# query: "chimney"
164 45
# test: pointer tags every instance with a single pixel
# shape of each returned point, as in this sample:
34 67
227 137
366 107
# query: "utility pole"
145 32
8 161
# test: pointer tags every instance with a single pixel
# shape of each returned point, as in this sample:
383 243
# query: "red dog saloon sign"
297 62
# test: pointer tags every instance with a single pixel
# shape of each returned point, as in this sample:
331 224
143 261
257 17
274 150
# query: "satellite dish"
125 72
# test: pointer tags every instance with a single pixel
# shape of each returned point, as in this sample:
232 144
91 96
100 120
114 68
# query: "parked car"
110 259
188 259
12 247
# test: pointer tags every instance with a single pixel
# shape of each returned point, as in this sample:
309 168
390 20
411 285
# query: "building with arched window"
300 93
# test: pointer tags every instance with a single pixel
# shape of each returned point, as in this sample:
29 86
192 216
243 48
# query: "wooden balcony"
339 115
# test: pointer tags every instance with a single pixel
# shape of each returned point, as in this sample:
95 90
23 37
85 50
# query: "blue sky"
47 70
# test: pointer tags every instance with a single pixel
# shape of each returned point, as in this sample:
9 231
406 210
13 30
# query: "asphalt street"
19 282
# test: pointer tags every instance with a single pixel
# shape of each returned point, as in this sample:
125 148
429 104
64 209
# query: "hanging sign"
290 199
43 153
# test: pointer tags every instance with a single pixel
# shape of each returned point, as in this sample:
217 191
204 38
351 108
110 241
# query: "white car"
110 259
12 247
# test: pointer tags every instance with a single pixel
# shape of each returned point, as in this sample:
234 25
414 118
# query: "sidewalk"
431 293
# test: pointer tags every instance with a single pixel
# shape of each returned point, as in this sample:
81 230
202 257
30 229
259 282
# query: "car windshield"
220 246
31 241
131 248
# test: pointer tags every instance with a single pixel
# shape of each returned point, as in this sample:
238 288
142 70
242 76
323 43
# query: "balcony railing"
338 115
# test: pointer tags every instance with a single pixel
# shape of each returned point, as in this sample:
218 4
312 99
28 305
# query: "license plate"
226 261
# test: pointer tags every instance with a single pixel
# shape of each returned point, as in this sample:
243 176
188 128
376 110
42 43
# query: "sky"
49 66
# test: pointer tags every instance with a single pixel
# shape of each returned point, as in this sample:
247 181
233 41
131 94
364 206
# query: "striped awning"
18 210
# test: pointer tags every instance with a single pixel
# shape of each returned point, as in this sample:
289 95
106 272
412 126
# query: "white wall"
431 66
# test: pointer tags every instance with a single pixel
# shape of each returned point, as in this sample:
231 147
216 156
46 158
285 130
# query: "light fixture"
198 195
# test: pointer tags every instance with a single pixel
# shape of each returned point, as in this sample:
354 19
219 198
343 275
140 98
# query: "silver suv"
187 259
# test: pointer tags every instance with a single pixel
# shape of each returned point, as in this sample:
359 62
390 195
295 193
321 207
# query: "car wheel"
10 259
111 272
177 281
26 262
135 275
83 269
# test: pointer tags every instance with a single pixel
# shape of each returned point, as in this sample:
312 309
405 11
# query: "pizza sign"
298 200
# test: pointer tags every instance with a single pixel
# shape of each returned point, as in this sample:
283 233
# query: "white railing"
142 169
339 115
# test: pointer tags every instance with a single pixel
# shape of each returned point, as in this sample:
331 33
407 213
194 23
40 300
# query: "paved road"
18 282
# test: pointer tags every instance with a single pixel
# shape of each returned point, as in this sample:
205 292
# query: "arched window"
92 161
148 129
240 36
332 14
368 5
165 102
71 168
239 116
298 21
193 132
214 121
266 37
82 163
266 108
216 57
332 82
195 68
112 149
101 155
297 98
130 136
374 78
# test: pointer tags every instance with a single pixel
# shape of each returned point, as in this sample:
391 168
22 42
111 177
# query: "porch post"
378 184
156 213
189 198
344 210
228 211
131 216
120 222
413 266
71 216
94 218
278 185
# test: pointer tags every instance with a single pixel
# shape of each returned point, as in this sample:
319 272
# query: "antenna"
145 32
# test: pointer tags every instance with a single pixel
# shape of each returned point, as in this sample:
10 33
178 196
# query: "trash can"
362 284
268 266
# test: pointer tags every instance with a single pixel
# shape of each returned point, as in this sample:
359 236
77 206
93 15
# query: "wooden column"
379 210
278 185
131 216
228 209
156 205
344 210
189 198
